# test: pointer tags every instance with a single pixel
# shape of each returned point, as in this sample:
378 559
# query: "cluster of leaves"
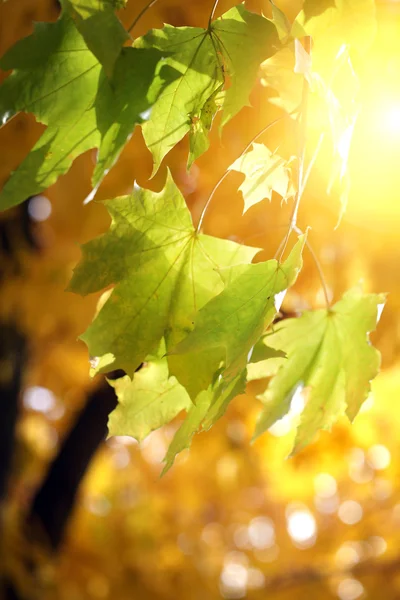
189 317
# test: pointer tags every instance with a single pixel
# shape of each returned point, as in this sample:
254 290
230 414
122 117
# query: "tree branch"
53 503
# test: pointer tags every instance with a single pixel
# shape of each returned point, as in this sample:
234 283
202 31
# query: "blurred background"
83 518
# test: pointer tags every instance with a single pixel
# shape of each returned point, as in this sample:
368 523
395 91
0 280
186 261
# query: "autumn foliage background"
230 519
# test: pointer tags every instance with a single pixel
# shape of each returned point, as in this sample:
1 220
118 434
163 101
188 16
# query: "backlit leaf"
232 322
281 22
100 27
244 40
75 99
148 401
222 398
201 125
328 352
183 437
278 73
265 361
210 406
60 93
190 51
236 43
265 172
136 82
163 272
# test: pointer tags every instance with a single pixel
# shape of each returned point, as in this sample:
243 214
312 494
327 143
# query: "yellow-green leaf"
329 354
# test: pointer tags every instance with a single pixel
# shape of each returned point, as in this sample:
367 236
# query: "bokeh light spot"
350 589
350 512
325 485
39 208
234 575
255 579
39 399
261 533
302 527
378 457
348 555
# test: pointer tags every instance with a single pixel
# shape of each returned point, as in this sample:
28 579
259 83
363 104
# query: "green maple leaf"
191 52
56 78
210 406
265 361
61 82
201 124
231 323
281 22
138 77
183 437
100 27
237 42
265 172
152 399
244 40
163 272
224 392
328 352
148 401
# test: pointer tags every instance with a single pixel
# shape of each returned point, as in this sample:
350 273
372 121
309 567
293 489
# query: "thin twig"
301 159
318 265
140 15
212 13
226 173
312 162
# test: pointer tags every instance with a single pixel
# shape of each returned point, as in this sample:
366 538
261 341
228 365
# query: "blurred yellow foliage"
230 519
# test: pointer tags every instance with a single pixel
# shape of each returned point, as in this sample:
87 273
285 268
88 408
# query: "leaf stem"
140 15
319 267
301 158
212 13
226 173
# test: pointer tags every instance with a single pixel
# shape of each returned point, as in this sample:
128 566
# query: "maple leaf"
265 172
138 77
265 361
230 324
210 405
152 399
281 22
237 42
278 73
163 272
147 401
201 124
244 40
100 27
331 100
183 437
328 352
224 392
61 82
